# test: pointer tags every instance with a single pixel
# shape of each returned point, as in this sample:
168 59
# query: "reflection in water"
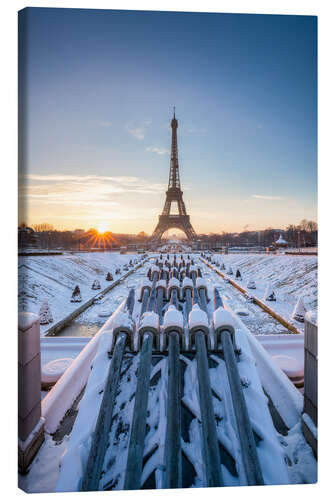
76 329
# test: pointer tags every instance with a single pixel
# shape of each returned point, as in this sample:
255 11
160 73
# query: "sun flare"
102 227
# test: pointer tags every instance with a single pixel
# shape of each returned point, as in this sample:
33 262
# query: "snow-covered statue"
299 311
251 284
238 275
249 298
109 276
45 315
96 285
76 295
269 294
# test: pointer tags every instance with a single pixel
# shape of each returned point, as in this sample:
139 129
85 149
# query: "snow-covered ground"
54 278
291 277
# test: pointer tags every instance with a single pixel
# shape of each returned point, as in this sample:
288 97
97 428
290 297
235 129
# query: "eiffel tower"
174 193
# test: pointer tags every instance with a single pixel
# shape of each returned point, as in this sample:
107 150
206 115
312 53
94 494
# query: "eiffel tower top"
174 181
174 122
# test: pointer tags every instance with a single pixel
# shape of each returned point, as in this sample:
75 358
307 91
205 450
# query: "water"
77 329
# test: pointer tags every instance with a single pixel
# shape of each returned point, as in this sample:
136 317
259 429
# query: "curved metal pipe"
144 303
174 297
203 299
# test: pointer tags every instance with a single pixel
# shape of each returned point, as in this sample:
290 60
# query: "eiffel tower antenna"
174 193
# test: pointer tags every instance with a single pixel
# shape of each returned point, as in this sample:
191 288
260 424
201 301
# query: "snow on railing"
63 394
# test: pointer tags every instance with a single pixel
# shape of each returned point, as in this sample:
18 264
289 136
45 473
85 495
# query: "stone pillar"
30 421
310 409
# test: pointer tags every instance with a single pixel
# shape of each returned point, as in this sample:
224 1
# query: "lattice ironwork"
174 194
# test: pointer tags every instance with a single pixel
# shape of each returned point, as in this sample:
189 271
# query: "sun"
102 227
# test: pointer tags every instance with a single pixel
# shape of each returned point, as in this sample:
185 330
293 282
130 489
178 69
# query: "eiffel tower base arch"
166 222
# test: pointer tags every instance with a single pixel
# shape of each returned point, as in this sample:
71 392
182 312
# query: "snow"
173 283
96 285
63 394
299 311
201 283
26 320
43 472
289 365
307 419
286 398
52 348
242 311
187 283
197 318
154 268
269 452
269 293
291 276
54 278
173 318
52 371
123 320
45 314
251 285
311 317
284 459
223 318
149 321
281 240
75 457
301 464
161 284
284 345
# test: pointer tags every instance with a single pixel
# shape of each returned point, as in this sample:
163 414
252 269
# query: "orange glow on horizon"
96 238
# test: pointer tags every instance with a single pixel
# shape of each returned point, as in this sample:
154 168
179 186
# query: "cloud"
79 178
86 190
267 197
159 151
138 129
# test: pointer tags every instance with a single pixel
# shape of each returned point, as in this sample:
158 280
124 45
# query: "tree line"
44 235
304 234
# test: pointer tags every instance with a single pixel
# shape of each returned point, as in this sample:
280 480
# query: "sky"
97 93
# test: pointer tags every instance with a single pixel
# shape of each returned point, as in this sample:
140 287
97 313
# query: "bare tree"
43 227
